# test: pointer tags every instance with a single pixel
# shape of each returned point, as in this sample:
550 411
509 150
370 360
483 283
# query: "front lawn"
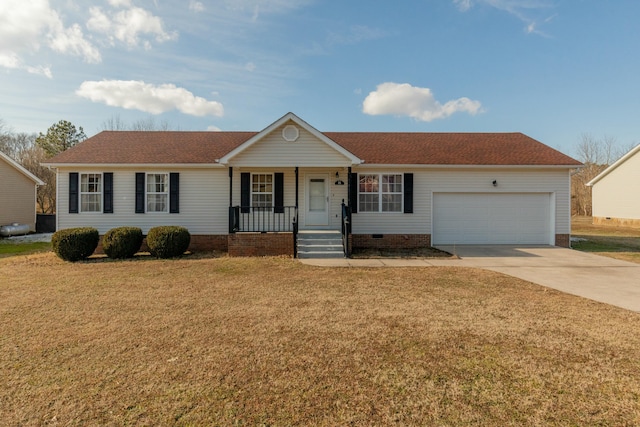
269 341
612 241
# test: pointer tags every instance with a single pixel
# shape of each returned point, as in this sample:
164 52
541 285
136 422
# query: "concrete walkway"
579 273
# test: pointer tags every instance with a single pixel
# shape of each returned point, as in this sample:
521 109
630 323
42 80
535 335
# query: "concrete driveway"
590 276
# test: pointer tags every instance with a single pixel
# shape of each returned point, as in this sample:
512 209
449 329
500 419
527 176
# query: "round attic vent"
290 133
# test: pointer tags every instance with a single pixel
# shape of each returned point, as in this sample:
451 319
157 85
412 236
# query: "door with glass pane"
317 206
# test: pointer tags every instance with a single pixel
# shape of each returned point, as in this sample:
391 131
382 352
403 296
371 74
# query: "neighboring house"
18 192
249 192
616 192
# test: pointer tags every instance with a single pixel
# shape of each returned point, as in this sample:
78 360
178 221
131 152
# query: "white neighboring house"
249 192
616 192
18 192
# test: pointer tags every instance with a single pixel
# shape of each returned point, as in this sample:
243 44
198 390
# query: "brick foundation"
209 243
621 222
387 241
563 240
260 244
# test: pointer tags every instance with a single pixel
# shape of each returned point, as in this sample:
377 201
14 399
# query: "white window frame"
380 193
262 193
148 193
98 193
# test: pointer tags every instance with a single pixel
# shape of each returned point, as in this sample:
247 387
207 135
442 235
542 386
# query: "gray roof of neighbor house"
390 148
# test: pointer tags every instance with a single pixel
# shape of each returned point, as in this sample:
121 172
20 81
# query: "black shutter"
107 194
408 193
139 192
245 192
174 193
353 193
278 196
73 192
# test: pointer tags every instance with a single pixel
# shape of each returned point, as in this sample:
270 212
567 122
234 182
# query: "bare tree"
148 124
597 155
46 195
114 123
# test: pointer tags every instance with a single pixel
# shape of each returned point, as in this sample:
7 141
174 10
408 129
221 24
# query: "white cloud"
196 6
416 102
213 128
521 9
71 41
250 66
120 3
138 95
127 26
27 26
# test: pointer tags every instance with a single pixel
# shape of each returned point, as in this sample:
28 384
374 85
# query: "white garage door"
491 218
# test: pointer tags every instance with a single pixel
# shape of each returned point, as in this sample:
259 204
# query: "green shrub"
168 241
74 244
122 242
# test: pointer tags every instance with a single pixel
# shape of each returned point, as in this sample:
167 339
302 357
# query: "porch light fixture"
338 180
495 183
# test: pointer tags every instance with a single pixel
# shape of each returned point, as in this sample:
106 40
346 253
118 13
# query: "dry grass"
612 241
268 341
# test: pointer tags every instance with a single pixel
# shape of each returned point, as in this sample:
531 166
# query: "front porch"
270 207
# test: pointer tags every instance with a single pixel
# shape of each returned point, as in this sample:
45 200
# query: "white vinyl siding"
274 151
204 202
617 195
459 180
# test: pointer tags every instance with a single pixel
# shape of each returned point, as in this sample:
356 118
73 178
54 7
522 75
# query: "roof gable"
289 118
20 168
615 165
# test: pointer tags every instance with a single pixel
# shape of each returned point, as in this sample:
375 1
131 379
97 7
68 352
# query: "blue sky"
552 69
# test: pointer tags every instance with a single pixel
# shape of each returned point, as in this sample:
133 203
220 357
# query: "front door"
317 212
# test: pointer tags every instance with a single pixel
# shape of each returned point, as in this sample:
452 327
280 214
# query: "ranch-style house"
290 187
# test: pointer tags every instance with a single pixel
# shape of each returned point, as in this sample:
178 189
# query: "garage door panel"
491 218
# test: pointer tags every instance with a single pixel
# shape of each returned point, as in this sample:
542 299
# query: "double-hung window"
91 192
262 190
380 193
157 192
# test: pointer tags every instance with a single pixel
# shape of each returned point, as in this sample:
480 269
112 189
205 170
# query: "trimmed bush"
168 241
74 244
122 242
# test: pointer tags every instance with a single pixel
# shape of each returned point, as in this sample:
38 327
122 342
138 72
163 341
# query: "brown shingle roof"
155 147
167 147
450 148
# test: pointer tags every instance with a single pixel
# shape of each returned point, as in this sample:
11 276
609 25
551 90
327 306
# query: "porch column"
349 195
297 185
230 186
